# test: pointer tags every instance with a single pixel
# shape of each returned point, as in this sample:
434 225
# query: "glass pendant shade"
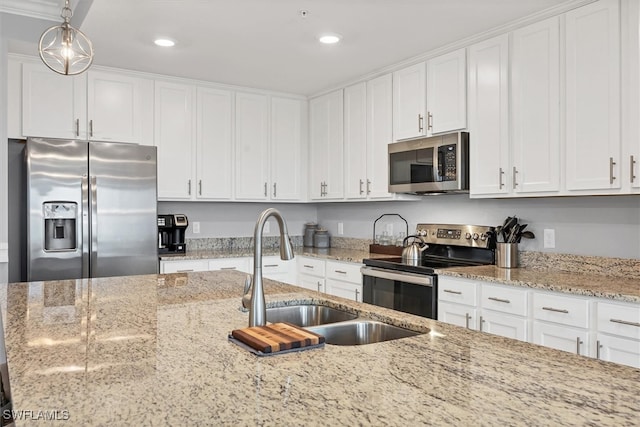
65 49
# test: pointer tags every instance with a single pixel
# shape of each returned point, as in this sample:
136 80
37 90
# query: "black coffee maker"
171 230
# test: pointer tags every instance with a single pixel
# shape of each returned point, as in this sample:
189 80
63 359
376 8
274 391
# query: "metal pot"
412 253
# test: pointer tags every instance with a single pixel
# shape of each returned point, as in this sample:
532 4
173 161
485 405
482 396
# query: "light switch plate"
266 228
549 238
340 228
195 227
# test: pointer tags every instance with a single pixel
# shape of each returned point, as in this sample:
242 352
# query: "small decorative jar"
321 238
309 230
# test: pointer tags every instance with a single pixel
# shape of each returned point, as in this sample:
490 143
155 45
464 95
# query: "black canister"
309 230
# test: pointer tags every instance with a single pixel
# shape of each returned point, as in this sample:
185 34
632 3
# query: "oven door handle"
415 279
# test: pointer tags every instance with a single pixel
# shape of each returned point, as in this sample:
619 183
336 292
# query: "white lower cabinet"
337 278
349 290
240 264
618 350
618 333
275 268
505 325
183 266
313 283
457 314
561 337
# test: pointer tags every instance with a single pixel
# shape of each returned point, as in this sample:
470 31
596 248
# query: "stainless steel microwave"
438 164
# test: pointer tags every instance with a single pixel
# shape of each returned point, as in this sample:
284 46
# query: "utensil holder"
507 255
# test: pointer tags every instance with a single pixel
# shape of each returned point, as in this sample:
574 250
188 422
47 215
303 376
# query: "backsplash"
237 243
602 266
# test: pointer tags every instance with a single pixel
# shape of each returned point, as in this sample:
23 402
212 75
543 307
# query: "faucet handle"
246 296
247 284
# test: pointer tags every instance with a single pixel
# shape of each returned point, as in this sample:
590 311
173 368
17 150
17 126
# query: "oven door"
407 292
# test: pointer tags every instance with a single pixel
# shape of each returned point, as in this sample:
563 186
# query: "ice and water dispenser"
60 226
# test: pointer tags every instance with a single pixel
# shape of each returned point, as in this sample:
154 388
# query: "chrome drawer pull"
499 300
452 292
340 271
578 342
307 266
624 322
184 271
556 310
228 268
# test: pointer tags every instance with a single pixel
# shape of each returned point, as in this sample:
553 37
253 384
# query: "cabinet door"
286 141
593 97
114 107
618 350
489 116
535 113
352 291
174 139
277 269
457 314
409 102
53 105
379 135
630 93
214 144
447 92
505 325
355 141
238 264
310 282
561 337
252 146
326 151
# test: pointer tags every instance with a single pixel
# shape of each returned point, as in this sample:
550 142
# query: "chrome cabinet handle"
228 268
632 163
308 266
467 317
598 347
271 265
420 123
357 295
184 271
449 291
481 322
506 301
578 342
200 187
78 129
275 192
500 176
319 286
515 177
557 310
340 271
429 121
361 184
265 189
611 165
189 187
368 187
625 322
90 127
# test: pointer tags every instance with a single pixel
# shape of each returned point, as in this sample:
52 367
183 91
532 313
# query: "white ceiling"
267 44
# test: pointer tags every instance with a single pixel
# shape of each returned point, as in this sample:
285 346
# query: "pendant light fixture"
65 49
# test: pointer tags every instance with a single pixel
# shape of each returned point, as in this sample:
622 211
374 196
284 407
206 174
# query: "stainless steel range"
412 286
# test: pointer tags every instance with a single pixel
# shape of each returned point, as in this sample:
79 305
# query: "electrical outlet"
340 228
266 228
195 227
549 238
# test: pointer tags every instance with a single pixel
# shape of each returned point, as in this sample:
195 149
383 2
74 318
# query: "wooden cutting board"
277 337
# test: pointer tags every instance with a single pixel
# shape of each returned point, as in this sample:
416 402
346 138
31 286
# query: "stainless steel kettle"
412 253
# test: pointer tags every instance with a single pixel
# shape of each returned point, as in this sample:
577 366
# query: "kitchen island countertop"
153 350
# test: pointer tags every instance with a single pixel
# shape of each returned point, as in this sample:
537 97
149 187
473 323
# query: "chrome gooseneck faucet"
257 305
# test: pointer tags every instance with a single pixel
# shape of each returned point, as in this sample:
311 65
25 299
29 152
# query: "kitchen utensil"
412 252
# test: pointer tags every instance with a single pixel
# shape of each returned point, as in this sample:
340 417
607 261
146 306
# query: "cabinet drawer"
312 266
504 299
560 309
240 264
460 291
184 266
347 272
618 319
273 264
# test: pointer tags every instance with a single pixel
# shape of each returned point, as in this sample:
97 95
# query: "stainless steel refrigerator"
92 209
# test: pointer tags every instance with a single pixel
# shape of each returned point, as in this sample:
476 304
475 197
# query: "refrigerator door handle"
94 225
85 226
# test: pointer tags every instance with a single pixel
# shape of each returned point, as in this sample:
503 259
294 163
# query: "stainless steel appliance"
171 231
92 209
439 164
412 287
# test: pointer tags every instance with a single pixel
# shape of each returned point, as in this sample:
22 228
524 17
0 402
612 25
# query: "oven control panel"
479 236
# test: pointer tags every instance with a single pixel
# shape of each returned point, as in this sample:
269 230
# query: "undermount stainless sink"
307 315
359 332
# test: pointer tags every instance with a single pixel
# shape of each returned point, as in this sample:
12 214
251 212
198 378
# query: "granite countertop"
336 254
153 350
592 285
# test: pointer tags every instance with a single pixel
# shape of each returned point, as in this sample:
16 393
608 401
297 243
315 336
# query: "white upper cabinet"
252 146
118 107
593 145
489 116
409 102
53 106
379 135
214 144
630 163
286 149
355 141
447 92
174 139
535 108
326 147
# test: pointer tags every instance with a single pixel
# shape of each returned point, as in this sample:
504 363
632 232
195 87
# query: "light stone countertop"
592 285
153 350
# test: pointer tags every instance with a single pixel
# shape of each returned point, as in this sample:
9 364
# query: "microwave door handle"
440 159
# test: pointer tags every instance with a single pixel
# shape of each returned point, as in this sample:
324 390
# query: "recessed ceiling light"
329 38
164 42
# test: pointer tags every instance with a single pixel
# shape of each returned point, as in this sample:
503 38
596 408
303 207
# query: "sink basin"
359 332
307 315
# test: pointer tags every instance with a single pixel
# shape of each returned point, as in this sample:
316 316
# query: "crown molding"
39 9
